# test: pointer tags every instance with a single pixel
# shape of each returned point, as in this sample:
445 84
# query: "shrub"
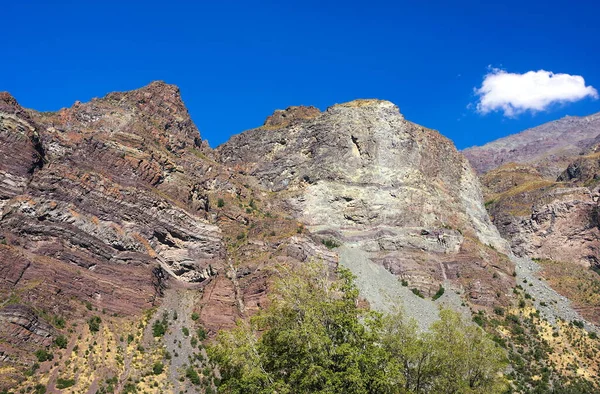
417 292
578 324
88 305
185 331
439 293
159 328
499 311
43 355
404 283
64 383
220 203
158 368
94 323
59 322
201 332
478 319
61 341
330 243
192 375
39 389
195 316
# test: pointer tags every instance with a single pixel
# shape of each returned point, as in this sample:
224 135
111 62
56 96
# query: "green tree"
315 339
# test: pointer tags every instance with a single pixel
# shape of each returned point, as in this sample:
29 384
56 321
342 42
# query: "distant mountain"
547 147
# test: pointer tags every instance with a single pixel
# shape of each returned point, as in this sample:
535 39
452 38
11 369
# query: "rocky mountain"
541 190
547 147
389 192
125 241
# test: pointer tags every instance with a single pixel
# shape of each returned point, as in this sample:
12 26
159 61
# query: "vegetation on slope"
314 338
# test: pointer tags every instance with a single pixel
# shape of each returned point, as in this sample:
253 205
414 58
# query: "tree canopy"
315 338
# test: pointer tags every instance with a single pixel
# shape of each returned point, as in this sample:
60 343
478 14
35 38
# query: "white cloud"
533 91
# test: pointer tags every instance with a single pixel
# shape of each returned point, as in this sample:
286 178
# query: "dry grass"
579 284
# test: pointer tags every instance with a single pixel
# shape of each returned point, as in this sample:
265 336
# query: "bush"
404 283
192 375
59 322
185 331
330 243
578 324
39 389
220 203
158 368
61 341
88 305
195 316
499 311
159 328
94 323
43 355
417 292
439 293
201 332
64 383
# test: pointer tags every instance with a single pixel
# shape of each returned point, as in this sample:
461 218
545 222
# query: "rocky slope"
548 147
362 176
546 204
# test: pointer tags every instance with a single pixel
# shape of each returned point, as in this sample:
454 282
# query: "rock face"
360 174
545 204
544 219
548 147
100 203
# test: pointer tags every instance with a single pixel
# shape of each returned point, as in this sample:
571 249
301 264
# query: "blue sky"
236 62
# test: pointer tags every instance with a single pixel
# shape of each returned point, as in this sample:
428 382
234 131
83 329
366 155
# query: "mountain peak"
367 104
8 102
284 117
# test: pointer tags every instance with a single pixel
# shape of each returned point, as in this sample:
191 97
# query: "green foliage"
159 327
439 293
201 332
129 388
64 383
220 203
417 292
195 316
330 243
59 322
158 368
404 283
61 341
577 323
43 355
39 389
94 323
88 305
185 331
192 375
315 339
